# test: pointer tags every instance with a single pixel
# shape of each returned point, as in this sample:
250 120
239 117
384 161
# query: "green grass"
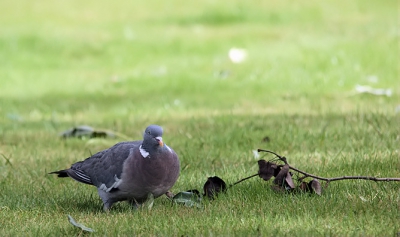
124 65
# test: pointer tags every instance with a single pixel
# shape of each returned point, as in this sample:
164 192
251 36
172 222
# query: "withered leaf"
195 191
213 186
79 225
86 131
315 186
266 169
189 199
277 170
303 186
280 178
289 181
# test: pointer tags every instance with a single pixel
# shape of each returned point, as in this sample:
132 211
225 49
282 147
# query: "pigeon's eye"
148 132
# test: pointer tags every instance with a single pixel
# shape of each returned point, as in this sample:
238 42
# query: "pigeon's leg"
144 203
106 206
107 201
135 205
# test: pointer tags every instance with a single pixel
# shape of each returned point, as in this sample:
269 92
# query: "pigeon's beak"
160 142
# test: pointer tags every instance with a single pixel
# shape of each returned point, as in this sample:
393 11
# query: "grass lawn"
123 65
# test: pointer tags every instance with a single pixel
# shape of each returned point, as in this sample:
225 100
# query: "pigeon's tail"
78 175
60 173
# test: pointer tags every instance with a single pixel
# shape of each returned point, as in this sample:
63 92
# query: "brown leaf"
266 169
277 170
315 186
289 181
213 186
280 178
303 186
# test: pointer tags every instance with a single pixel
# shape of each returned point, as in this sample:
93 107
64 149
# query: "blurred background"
74 61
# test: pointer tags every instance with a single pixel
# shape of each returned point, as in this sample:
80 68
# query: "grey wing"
104 168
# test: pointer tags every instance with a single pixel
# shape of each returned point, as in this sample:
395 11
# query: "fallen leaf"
195 191
79 225
213 186
281 177
315 186
188 199
86 131
266 169
277 170
289 181
303 186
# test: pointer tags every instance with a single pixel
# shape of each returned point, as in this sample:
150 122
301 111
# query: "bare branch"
282 158
308 175
330 179
269 152
343 177
365 178
243 179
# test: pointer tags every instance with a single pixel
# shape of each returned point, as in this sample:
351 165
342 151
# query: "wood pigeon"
129 171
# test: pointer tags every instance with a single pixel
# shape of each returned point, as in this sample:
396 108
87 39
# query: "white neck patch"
169 149
143 152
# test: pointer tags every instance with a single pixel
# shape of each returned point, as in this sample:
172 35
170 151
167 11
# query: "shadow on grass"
92 205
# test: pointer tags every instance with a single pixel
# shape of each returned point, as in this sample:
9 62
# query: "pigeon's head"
153 136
